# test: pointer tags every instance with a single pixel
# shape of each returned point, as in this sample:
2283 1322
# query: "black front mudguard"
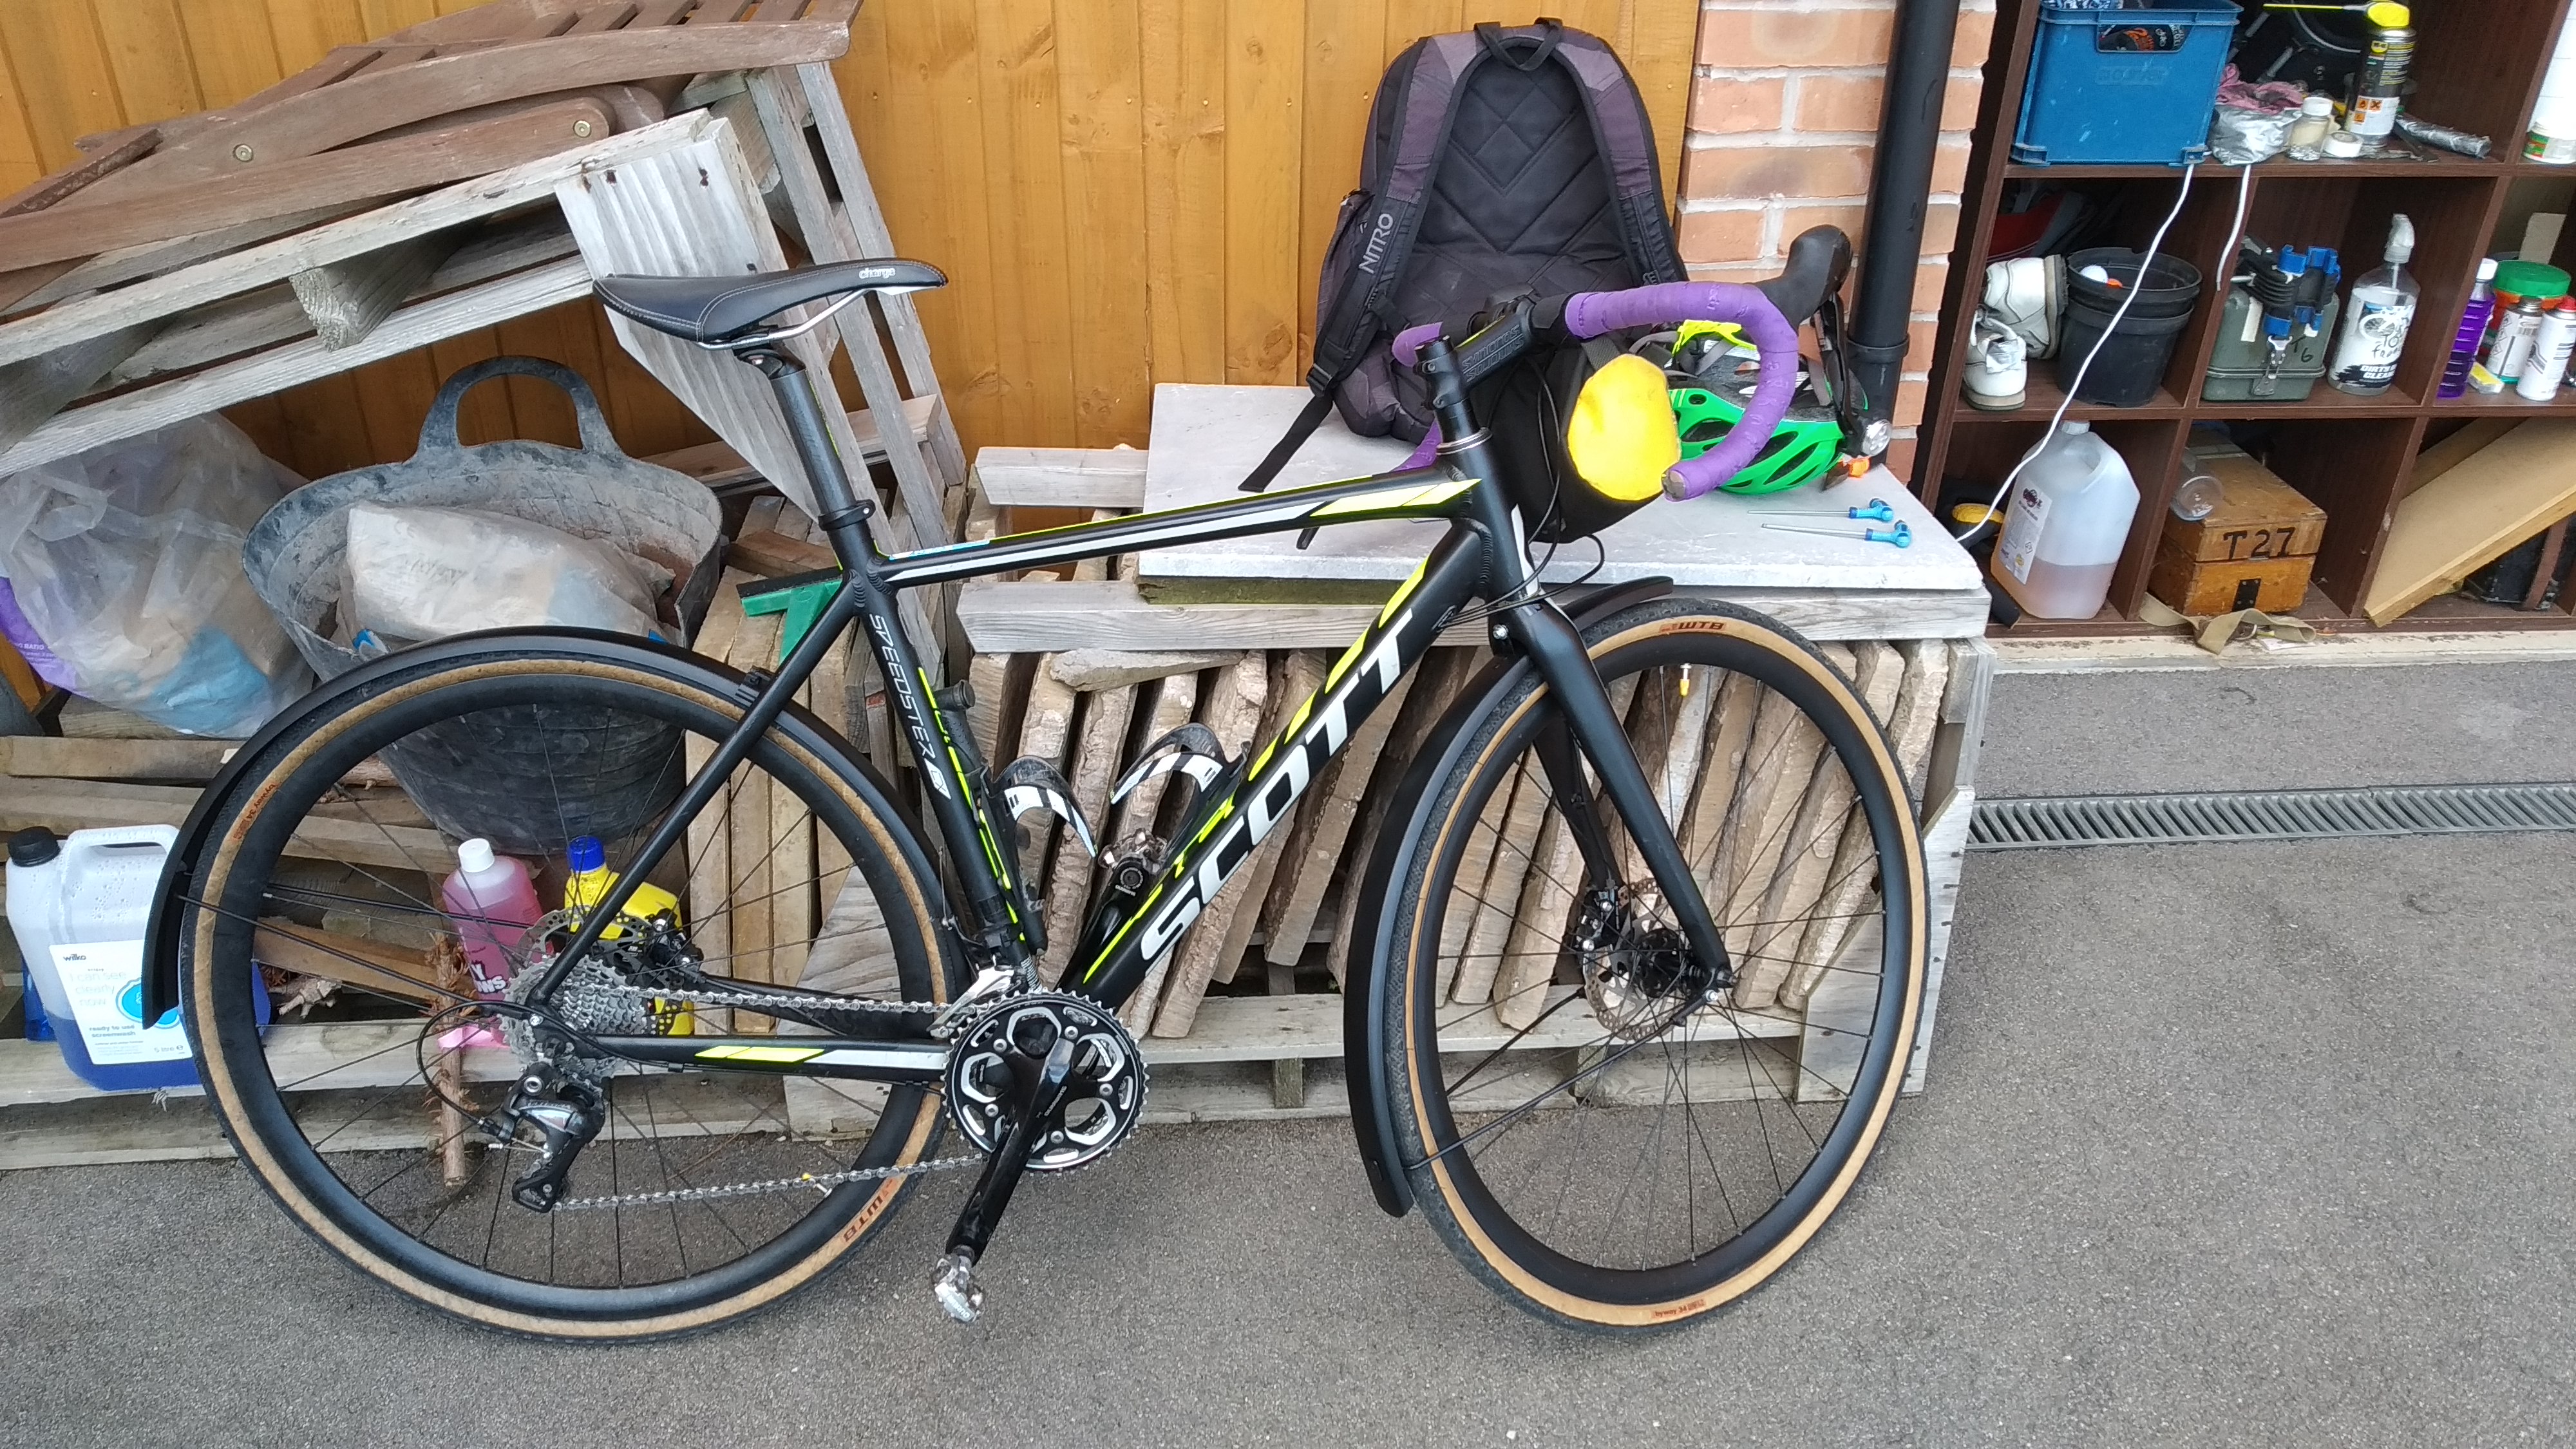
161 935
1366 1027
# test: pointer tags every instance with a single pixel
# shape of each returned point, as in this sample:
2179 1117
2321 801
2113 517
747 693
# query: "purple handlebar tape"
1589 314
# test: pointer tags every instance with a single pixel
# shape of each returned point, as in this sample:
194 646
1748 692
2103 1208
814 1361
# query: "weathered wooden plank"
691 211
1119 668
92 222
1047 724
347 299
1062 477
182 761
1945 848
1236 710
295 363
1443 674
720 465
1314 856
1879 672
68 805
1096 763
40 387
1047 616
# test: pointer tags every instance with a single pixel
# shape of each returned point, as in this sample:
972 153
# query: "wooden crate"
2254 551
1055 654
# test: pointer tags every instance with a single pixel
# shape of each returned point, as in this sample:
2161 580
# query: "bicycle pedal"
1029 783
954 1287
1193 749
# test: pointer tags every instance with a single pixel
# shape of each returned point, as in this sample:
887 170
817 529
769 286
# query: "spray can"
2550 345
2473 326
2378 83
2511 341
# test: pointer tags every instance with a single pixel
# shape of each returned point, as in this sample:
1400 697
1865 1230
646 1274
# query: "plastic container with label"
492 901
79 907
2065 524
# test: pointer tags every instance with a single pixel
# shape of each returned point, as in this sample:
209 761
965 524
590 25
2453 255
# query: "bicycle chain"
820 1181
817 1180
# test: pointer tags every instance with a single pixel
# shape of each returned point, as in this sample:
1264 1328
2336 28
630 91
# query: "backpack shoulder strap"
1625 136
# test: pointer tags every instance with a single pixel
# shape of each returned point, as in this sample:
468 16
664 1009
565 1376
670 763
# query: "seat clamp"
858 512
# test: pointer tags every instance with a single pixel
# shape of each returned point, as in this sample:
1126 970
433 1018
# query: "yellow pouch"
1621 436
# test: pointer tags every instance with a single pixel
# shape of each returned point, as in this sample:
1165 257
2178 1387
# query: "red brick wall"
1783 115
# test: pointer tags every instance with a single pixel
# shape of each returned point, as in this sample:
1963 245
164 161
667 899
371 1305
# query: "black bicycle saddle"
719 309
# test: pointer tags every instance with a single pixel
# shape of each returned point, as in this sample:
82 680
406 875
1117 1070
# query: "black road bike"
1633 976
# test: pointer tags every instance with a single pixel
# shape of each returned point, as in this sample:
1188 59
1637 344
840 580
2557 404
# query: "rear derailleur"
1044 1082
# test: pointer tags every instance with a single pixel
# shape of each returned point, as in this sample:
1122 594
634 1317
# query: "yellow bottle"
590 882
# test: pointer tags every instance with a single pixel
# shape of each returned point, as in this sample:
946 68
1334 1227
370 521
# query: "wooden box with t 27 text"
2253 551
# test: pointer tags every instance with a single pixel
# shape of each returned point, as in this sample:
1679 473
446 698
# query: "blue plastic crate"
2132 85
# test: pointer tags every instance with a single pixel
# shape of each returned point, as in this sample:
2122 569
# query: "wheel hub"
1639 972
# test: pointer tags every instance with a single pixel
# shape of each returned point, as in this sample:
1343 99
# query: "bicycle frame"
1483 556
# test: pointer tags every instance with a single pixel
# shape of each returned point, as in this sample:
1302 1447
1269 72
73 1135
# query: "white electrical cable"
2244 187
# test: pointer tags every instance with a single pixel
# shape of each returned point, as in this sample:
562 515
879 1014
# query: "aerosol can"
2550 346
2376 315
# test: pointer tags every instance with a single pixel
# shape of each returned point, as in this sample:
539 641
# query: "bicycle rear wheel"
374 1106
1603 1128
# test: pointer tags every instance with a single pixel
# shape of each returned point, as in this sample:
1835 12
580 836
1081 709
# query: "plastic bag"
426 573
2252 120
126 562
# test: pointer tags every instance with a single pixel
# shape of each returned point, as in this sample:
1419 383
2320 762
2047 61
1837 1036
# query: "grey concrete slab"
2267 729
2251 1145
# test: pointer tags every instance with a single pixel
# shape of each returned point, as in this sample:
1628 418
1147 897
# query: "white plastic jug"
2065 525
79 914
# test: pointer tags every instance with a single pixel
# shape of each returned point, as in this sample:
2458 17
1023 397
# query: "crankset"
1048 1082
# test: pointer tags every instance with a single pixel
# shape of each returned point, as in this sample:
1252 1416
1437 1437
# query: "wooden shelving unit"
2478 68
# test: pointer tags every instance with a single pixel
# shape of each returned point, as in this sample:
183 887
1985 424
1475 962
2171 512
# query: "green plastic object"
2531 279
1802 449
801 599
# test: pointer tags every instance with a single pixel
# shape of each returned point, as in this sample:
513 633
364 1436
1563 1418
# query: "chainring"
1104 1103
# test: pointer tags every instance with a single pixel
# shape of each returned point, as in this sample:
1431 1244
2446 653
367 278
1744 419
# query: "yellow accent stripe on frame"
759 1054
1394 498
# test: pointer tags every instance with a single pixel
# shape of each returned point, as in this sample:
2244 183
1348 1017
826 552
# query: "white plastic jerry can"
2065 525
79 910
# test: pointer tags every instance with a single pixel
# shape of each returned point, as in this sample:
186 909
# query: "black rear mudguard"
161 935
1367 1031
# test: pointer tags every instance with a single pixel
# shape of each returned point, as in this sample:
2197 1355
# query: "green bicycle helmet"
1710 367
1803 448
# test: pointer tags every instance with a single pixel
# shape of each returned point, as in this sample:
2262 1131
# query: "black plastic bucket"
2132 362
2172 285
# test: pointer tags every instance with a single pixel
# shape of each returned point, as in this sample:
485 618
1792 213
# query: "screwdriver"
1877 510
1901 535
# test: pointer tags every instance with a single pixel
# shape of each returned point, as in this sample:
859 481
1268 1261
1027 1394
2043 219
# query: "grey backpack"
1498 162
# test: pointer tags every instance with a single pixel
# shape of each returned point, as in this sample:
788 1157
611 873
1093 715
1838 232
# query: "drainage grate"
2270 815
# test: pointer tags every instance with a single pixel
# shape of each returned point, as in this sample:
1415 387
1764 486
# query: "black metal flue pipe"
1900 183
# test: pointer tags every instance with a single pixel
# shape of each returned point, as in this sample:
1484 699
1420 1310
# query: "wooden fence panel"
1123 192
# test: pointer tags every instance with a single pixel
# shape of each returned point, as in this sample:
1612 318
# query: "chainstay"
820 1181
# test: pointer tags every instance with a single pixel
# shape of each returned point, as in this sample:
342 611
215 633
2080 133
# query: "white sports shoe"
1997 377
2028 295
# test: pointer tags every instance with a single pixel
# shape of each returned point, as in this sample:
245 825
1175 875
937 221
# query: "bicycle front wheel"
331 974
1605 1129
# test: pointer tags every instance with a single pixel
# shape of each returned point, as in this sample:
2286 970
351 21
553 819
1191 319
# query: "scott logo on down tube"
1274 797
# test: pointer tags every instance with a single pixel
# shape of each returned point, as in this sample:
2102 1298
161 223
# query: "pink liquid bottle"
493 902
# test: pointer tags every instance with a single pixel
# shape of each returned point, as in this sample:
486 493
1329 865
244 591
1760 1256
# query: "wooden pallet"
1076 697
573 138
